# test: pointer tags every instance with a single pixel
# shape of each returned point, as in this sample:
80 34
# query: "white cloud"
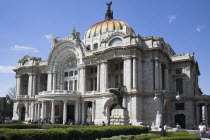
6 69
171 18
23 48
47 36
198 29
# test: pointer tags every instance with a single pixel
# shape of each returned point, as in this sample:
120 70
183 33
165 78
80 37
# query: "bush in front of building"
155 135
72 133
3 137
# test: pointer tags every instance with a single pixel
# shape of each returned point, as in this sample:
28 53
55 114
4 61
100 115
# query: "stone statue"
54 39
158 119
76 35
109 4
118 94
89 112
109 13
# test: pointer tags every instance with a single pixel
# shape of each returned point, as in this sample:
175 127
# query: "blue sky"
25 26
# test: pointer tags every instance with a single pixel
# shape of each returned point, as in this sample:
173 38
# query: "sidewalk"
197 133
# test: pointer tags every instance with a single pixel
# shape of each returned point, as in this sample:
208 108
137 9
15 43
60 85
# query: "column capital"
103 61
127 57
17 76
65 101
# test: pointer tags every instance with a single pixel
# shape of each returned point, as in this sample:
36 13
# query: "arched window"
95 46
26 62
115 41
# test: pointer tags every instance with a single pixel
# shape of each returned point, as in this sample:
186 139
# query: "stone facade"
74 82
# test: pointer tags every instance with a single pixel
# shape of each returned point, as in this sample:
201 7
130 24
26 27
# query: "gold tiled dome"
107 26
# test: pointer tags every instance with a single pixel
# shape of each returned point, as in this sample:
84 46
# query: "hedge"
156 136
72 133
40 126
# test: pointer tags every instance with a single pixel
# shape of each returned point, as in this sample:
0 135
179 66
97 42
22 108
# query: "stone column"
35 111
160 76
98 77
103 77
18 85
83 112
135 76
43 111
38 111
76 113
93 111
127 73
49 81
30 85
140 85
53 112
82 80
125 104
197 113
64 111
157 84
206 114
54 81
38 83
34 85
166 79
73 88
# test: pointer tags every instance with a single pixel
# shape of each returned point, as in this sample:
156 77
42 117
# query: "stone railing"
58 92
22 96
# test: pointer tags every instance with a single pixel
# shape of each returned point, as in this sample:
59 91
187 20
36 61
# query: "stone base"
119 116
89 120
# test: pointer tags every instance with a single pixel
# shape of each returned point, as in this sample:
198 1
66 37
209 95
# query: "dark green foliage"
3 137
66 132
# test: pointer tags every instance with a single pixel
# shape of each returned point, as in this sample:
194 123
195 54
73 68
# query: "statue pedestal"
119 116
89 120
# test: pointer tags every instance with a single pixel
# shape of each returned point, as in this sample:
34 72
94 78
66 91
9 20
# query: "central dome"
107 26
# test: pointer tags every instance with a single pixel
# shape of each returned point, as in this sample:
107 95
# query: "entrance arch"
22 113
180 118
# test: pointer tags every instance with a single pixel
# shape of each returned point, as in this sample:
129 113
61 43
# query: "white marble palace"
74 82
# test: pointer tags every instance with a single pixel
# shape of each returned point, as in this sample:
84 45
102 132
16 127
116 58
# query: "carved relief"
71 63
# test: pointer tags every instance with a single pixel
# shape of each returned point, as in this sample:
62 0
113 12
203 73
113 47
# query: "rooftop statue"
75 34
109 13
54 39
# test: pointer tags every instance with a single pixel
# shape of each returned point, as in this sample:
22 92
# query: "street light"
161 94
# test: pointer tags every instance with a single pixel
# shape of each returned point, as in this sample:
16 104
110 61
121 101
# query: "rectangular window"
179 71
179 106
91 84
95 70
92 70
153 70
66 85
71 85
66 74
121 65
75 85
121 79
179 85
75 73
95 84
116 81
116 67
71 73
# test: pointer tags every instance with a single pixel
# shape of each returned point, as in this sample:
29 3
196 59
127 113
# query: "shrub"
70 133
3 137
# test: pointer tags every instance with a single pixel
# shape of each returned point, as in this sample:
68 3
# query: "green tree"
9 102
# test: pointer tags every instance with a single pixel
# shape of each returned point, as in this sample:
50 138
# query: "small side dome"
107 26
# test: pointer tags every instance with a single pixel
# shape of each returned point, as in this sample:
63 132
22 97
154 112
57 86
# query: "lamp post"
161 94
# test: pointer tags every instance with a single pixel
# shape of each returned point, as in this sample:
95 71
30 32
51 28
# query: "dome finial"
109 13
